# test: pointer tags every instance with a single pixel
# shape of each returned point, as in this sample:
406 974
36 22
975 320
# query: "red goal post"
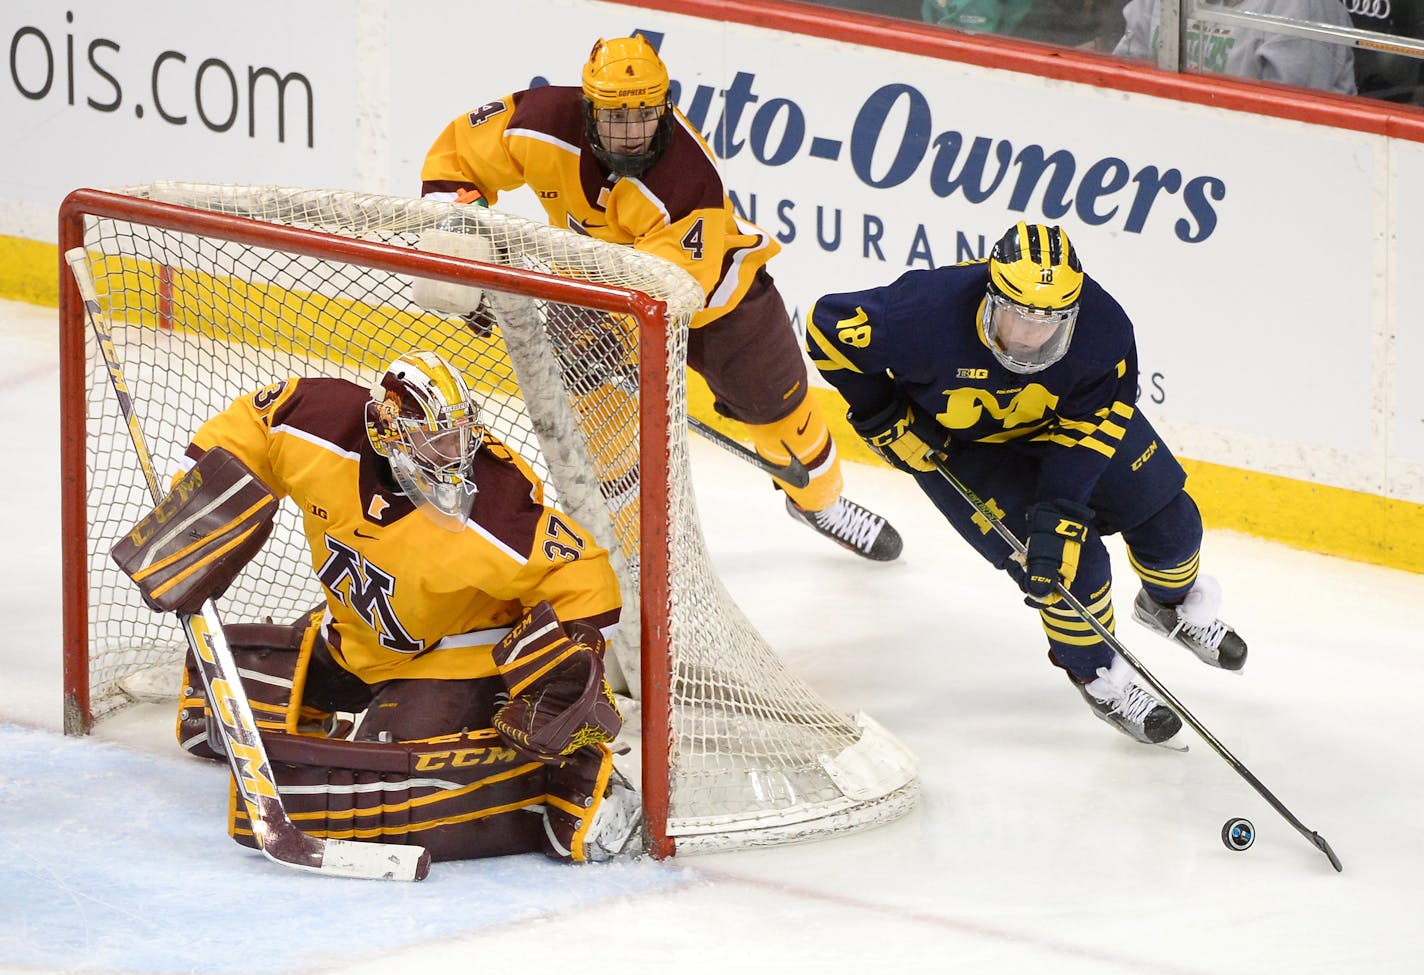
216 290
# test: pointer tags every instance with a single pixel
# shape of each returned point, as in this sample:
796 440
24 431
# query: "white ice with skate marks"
115 859
1044 840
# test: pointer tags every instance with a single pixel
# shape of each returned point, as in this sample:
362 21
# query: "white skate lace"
1209 636
617 818
1136 704
849 521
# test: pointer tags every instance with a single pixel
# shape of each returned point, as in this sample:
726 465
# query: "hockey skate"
616 825
850 526
616 829
1116 698
1194 624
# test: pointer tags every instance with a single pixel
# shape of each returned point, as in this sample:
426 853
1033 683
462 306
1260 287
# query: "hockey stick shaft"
276 834
793 473
1108 637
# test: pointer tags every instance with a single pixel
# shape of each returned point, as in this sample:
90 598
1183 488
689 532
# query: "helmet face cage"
627 114
425 421
1035 283
1026 340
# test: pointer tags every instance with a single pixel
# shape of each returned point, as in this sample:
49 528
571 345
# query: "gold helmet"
424 420
1035 282
626 110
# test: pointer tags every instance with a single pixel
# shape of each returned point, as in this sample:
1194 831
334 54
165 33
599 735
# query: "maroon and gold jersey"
405 597
678 209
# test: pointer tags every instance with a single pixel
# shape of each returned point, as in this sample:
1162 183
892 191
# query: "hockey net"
213 291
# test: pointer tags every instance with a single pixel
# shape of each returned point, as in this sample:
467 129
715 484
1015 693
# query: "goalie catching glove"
905 439
1056 533
197 539
559 700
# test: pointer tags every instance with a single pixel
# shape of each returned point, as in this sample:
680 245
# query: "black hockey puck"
1238 834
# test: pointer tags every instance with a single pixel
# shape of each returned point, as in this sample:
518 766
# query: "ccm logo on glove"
1056 532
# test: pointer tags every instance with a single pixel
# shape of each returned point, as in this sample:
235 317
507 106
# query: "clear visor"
1026 339
628 131
435 468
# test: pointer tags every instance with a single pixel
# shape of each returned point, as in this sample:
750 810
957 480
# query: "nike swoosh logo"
806 423
361 534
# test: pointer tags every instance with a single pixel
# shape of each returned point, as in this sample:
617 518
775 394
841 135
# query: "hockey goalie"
450 690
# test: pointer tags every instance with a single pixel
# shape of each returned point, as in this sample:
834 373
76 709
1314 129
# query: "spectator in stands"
1246 53
1093 24
904 9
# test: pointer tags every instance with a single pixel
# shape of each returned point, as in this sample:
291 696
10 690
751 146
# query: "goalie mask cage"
213 291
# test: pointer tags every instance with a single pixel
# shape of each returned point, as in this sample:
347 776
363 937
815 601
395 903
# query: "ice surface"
1044 842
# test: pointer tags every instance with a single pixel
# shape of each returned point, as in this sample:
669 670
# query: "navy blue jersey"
920 338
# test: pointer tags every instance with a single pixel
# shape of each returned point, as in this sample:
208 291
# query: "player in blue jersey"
1020 373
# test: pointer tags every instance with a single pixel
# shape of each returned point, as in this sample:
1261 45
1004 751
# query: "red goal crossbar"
82 206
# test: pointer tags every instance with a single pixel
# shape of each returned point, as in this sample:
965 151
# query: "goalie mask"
424 420
627 115
1035 282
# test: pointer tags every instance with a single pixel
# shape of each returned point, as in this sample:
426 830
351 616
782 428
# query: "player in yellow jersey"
615 160
463 623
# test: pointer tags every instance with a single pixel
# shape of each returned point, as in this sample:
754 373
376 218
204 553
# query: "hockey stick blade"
277 836
1324 847
290 847
793 473
1108 637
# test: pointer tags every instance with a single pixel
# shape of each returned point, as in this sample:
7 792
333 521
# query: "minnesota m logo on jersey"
368 592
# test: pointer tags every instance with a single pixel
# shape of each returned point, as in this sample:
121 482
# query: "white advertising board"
1209 226
105 94
1266 262
1405 378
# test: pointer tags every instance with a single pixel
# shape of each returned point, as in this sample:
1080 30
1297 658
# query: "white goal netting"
736 749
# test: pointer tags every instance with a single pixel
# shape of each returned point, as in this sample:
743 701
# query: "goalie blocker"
196 540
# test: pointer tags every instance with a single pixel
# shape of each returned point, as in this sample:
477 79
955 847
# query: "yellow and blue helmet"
1035 283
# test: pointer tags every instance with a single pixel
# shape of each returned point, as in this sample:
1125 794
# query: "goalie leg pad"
410 710
197 539
462 797
559 698
273 661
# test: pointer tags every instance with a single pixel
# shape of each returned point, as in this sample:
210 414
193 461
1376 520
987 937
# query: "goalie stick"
1107 636
278 836
793 473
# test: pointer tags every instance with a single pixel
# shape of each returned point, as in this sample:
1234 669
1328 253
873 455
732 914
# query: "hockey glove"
1056 532
905 439
559 700
199 537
